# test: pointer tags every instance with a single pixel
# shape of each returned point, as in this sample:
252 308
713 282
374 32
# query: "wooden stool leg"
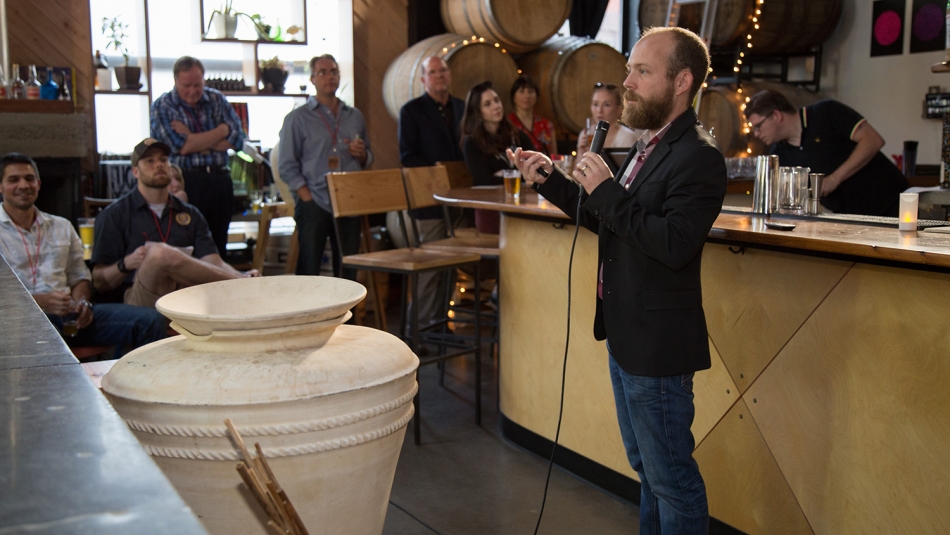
292 254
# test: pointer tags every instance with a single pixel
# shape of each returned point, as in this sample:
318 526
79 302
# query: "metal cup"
763 189
813 206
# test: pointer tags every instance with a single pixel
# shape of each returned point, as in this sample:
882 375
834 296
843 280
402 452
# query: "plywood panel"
56 32
380 34
756 301
744 486
714 393
855 409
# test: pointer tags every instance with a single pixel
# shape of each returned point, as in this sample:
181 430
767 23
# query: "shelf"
254 41
262 94
121 92
36 106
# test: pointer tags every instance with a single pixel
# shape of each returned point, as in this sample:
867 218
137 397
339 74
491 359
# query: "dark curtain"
586 17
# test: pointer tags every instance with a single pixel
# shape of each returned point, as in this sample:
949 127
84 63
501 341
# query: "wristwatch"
121 266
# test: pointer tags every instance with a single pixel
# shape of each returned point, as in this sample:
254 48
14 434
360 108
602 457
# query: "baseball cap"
146 144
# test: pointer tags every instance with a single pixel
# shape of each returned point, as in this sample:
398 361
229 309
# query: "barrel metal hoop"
273 453
276 429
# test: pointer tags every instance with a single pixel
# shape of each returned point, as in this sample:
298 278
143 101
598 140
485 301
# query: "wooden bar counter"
827 407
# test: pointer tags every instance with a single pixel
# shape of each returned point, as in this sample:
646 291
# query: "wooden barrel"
785 26
721 109
566 69
471 62
520 26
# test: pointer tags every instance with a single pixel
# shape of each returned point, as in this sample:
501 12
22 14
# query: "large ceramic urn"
327 402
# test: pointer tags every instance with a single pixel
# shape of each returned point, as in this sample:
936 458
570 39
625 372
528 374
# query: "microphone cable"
567 343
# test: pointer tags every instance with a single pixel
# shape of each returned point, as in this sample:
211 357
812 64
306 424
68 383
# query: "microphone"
596 145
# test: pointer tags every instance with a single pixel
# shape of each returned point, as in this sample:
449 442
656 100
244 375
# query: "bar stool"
363 193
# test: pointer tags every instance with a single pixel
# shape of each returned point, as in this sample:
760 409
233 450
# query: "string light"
742 100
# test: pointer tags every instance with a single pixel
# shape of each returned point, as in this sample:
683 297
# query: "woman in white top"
606 105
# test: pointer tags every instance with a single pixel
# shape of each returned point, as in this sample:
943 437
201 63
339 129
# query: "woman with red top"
524 95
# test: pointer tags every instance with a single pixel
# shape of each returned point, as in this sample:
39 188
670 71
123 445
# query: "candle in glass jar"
908 212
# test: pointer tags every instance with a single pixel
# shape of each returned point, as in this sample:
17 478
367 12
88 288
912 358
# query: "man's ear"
135 171
683 82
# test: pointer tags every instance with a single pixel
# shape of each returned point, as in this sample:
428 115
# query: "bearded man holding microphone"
652 221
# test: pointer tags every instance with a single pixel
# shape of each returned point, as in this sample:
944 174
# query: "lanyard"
34 260
158 226
327 124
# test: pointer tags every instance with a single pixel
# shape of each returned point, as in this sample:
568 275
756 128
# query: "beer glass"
793 188
512 183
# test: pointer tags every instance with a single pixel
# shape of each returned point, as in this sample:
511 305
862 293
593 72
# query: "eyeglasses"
608 87
757 127
323 72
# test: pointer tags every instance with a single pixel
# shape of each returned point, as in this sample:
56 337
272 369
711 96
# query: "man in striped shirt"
200 126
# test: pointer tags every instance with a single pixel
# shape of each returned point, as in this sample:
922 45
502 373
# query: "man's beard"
647 114
157 181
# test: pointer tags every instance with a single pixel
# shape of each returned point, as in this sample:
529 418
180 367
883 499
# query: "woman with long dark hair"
486 134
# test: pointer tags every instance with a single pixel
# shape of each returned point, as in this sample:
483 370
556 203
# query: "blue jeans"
118 325
655 414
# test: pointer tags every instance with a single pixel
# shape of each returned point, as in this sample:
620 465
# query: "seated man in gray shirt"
322 136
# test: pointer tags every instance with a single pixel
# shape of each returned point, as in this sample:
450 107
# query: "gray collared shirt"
306 144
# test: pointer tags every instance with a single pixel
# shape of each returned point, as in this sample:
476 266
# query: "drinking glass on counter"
793 188
512 179
87 231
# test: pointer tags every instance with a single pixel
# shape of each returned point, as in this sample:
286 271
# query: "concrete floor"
466 479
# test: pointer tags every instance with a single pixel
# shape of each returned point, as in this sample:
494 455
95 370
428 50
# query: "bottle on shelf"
3 84
50 89
17 86
33 85
63 93
103 75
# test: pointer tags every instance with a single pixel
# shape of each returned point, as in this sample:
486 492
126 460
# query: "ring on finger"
584 168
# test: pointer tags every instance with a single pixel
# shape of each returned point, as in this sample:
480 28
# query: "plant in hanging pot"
114 31
273 75
224 21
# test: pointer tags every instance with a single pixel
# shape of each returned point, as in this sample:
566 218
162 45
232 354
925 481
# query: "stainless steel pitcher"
764 190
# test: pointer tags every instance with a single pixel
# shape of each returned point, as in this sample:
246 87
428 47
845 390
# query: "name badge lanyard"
195 125
33 260
158 226
333 132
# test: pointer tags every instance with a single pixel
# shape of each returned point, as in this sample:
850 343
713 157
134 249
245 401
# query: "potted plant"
273 75
224 21
114 31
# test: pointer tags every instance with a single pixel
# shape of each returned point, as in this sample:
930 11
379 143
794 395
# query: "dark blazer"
424 138
650 245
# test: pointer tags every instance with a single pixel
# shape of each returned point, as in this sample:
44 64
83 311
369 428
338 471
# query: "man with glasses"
200 126
835 140
322 136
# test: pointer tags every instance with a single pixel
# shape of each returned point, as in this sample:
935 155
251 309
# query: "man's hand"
829 184
55 303
591 171
180 128
357 149
304 193
84 309
134 259
528 162
251 273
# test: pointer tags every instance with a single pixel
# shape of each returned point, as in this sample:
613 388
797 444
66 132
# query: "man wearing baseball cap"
149 243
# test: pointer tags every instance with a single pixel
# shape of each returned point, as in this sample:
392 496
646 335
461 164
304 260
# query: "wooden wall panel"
57 33
855 409
744 485
379 36
755 302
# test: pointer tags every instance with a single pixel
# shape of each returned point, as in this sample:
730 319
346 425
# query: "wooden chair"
422 183
458 174
371 192
91 206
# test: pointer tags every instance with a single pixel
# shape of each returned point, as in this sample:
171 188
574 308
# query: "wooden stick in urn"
260 480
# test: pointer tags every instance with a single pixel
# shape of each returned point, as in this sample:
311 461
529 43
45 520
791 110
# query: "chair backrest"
282 186
424 182
366 192
459 176
91 206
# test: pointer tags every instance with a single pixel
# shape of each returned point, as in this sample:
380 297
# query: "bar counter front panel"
826 409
